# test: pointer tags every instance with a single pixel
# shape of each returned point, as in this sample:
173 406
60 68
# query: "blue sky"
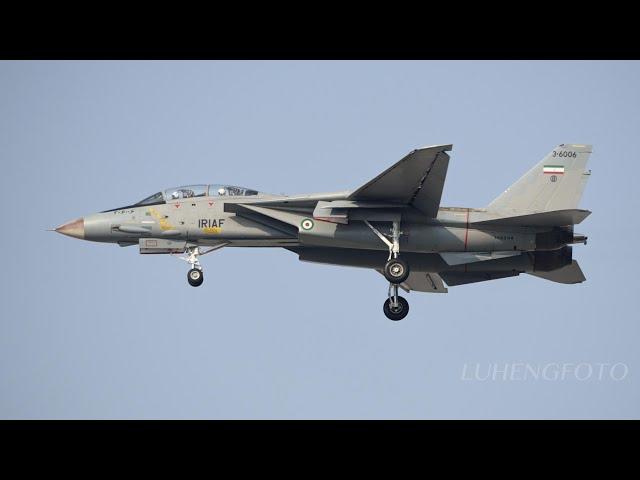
97 331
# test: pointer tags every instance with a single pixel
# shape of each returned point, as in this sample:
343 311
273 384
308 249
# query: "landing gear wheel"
396 270
398 312
195 277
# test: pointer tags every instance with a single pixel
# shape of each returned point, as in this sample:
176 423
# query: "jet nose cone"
74 229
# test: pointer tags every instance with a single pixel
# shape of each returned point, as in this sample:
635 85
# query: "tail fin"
556 183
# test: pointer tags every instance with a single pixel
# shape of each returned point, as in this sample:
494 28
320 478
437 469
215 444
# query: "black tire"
195 277
396 270
396 314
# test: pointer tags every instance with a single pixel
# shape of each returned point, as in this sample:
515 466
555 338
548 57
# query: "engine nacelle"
554 239
546 261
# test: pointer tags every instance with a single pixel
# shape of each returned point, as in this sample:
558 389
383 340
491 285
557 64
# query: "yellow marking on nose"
211 229
164 223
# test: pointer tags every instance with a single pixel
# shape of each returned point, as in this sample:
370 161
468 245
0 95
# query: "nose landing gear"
195 277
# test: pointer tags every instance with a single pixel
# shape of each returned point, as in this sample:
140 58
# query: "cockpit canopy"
192 191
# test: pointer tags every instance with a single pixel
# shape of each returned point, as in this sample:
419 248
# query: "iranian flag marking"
553 169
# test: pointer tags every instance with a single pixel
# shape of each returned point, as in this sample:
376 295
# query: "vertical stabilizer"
555 183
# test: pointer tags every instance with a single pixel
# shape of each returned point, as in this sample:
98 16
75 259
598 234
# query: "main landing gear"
395 307
396 271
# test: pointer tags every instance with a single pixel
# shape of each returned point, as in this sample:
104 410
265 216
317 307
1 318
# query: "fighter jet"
392 224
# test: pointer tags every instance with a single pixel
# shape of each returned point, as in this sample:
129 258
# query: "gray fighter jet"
393 224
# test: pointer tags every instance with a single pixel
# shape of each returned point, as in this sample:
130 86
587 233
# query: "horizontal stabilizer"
568 274
556 218
459 258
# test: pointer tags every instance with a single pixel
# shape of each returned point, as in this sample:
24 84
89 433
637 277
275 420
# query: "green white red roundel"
306 224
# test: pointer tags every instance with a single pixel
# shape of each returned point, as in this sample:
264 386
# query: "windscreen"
152 199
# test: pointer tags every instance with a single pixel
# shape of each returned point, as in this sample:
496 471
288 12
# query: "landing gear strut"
396 271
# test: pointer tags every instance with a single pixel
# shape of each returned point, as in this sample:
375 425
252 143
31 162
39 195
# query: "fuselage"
209 220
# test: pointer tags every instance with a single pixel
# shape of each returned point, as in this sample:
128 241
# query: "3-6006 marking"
565 153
